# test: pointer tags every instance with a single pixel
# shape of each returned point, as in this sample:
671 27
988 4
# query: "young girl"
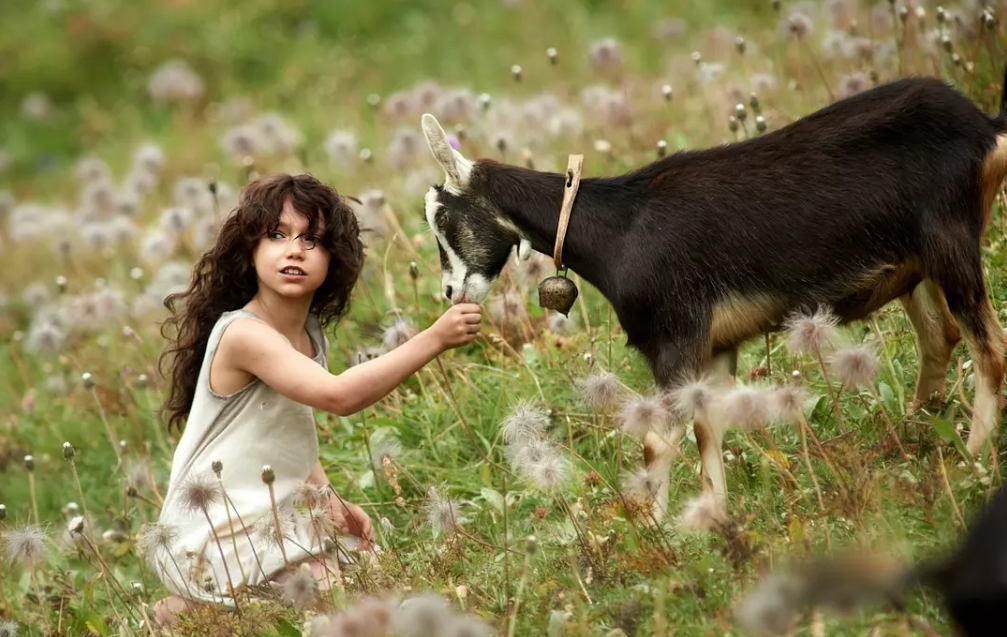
248 366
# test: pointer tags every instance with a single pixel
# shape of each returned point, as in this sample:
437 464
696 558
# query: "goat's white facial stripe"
455 274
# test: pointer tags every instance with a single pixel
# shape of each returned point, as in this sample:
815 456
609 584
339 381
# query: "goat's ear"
456 167
524 249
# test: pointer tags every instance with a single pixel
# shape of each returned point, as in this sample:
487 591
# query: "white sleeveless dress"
252 427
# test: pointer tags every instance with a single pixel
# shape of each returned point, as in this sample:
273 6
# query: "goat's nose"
447 292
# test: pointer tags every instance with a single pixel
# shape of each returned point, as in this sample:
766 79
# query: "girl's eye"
275 235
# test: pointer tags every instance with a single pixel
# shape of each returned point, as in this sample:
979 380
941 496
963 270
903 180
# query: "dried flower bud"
365 155
531 545
666 90
732 124
989 20
760 123
662 148
553 55
76 525
136 273
68 451
753 101
29 462
947 44
739 44
87 379
461 132
942 15
373 100
516 72
740 111
697 57
217 467
776 5
485 100
957 59
136 587
61 283
3 512
903 13
131 491
268 477
414 270
141 380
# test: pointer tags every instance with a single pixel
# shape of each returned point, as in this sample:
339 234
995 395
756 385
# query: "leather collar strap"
573 169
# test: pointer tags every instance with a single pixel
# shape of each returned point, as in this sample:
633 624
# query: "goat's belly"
738 317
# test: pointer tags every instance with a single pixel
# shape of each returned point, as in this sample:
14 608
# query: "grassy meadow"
126 131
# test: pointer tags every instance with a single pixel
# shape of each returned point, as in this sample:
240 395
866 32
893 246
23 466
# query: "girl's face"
290 260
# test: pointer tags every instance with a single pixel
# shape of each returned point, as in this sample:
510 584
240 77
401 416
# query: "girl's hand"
351 519
459 325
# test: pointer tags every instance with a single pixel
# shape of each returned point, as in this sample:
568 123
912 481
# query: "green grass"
316 64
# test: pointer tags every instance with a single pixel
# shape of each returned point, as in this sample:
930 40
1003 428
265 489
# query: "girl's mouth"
293 272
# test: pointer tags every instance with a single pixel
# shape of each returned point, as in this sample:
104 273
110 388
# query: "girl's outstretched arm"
258 349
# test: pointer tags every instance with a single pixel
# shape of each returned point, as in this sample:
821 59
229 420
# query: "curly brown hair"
224 278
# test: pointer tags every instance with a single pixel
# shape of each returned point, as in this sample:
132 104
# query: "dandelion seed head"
548 474
155 536
525 422
75 525
772 606
808 334
25 544
856 365
425 614
600 389
199 492
787 404
639 485
8 628
442 513
692 398
643 414
747 407
398 333
701 513
300 589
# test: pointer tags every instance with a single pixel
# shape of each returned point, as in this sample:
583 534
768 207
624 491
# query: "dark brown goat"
880 196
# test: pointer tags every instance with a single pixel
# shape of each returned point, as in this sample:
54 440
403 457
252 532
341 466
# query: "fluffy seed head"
810 333
199 492
300 589
600 389
746 407
701 513
26 544
787 404
75 525
644 414
526 422
692 398
772 606
549 474
8 629
856 365
442 513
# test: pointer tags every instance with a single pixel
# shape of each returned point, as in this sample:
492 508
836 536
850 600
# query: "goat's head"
474 237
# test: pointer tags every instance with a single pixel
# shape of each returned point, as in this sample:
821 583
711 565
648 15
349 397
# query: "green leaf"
494 498
286 628
888 398
946 430
95 625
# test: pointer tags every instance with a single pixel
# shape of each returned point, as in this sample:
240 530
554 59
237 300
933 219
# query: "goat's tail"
840 584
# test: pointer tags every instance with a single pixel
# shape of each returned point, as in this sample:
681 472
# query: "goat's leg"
965 290
673 366
937 334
